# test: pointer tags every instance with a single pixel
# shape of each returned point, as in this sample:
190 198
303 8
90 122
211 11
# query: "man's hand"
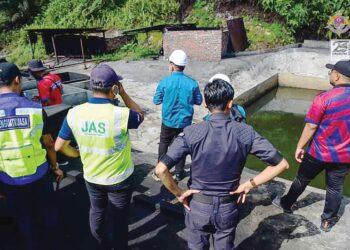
184 197
242 190
121 88
59 174
299 154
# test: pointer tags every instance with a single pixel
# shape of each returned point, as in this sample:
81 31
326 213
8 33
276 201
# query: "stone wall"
199 45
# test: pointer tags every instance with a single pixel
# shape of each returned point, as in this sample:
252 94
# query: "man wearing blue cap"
23 164
101 132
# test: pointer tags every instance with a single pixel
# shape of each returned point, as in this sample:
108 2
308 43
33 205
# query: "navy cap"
343 67
36 65
8 72
104 76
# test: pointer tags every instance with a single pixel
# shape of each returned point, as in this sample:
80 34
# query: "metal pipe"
82 50
54 48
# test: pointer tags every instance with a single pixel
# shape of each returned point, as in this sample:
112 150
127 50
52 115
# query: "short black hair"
217 94
98 89
178 68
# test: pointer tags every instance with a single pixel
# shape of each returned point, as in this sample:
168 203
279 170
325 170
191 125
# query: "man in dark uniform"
219 148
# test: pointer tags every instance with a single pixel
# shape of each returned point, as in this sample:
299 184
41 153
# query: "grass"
283 131
143 47
263 35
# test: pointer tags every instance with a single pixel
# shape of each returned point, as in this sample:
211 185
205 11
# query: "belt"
207 199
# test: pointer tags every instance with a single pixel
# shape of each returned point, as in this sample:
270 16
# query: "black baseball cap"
343 67
35 65
8 72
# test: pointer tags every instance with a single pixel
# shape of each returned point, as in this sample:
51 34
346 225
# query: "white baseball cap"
178 57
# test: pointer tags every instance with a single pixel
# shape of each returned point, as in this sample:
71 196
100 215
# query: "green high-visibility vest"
101 131
21 152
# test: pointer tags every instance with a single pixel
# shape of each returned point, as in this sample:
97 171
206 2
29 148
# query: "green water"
283 131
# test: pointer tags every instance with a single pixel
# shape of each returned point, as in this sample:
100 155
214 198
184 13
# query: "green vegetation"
301 19
204 15
262 35
312 15
283 131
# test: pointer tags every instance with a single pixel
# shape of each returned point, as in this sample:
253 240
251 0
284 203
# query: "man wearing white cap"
237 112
177 93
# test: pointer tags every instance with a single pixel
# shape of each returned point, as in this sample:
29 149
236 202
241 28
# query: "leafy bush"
203 14
301 14
262 35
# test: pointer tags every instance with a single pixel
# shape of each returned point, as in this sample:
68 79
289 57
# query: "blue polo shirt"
219 148
178 93
134 121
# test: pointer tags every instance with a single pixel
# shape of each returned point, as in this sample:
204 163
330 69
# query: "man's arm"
178 149
182 195
264 150
48 144
197 96
306 135
65 148
44 93
62 143
130 103
158 96
267 174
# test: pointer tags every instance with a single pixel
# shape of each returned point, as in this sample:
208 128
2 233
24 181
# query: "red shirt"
50 89
330 110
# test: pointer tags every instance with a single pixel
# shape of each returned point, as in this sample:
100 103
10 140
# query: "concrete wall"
199 45
304 82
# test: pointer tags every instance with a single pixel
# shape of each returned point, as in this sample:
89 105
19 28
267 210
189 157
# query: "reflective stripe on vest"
101 131
21 152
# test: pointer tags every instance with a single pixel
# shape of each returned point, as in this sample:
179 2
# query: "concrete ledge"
249 96
304 82
316 44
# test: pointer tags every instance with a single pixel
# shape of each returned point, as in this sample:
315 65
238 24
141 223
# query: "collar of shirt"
11 94
342 85
177 73
99 100
219 116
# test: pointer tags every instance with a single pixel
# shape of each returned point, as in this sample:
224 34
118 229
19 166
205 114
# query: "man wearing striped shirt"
328 129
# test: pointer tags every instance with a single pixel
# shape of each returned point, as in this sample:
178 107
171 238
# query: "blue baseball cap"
104 76
36 65
8 72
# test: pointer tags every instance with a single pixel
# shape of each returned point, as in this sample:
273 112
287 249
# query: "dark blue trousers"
34 209
335 176
111 232
216 220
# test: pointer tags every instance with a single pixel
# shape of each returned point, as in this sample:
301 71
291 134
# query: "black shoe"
277 202
179 176
326 225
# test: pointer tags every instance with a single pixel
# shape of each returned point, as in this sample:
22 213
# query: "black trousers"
167 136
111 231
335 176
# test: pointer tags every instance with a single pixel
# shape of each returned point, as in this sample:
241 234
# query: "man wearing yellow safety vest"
23 166
101 131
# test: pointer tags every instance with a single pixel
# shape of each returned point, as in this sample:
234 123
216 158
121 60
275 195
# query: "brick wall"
199 45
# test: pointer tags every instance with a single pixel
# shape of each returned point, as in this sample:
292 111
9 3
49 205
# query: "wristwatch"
54 168
253 182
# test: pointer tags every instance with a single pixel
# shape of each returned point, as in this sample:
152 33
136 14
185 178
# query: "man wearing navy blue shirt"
177 93
219 148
